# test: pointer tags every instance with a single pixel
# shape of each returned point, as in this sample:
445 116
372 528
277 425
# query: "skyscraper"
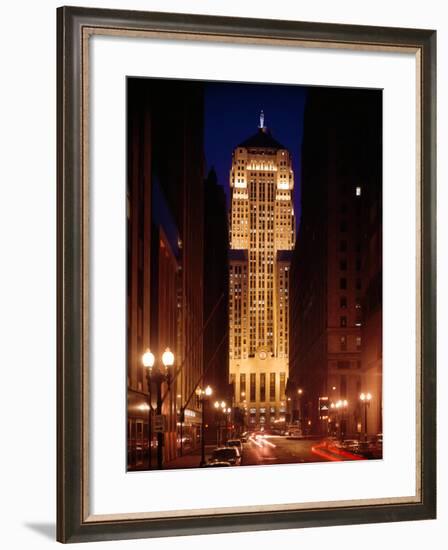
262 232
336 268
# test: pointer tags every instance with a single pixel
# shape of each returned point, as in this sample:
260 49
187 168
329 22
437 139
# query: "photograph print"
254 274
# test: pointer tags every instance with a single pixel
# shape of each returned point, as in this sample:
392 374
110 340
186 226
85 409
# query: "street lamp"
299 393
156 374
220 409
228 422
365 399
342 406
203 395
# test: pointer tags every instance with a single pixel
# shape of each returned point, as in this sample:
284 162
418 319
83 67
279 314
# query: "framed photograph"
246 274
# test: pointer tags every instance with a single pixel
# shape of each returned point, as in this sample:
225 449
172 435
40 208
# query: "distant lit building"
262 232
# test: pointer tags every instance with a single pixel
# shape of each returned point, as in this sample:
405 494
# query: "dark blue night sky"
232 115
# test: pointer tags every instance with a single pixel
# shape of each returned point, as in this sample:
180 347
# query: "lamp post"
157 375
228 421
299 408
365 399
220 407
203 395
342 406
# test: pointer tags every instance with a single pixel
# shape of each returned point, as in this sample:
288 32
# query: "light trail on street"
269 449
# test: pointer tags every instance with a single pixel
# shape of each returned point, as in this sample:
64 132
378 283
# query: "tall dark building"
216 290
341 181
164 256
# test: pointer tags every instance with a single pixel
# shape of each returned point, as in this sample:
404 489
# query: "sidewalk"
190 460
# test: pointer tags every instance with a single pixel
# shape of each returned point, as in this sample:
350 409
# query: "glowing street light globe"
168 358
208 391
148 359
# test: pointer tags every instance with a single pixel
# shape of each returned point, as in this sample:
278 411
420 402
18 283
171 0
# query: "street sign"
158 423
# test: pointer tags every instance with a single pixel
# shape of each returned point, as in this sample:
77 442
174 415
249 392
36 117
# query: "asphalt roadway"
272 449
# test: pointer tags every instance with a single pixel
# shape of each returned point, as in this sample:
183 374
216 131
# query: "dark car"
226 454
217 464
235 443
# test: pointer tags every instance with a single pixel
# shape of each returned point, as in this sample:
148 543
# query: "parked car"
226 454
351 445
217 464
373 448
235 443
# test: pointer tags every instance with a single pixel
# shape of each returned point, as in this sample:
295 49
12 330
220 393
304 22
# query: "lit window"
358 191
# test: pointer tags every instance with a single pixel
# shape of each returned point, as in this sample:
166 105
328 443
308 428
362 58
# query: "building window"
343 321
343 226
343 246
343 302
343 385
358 284
358 264
343 283
358 191
252 386
358 343
282 385
272 386
242 387
343 364
343 343
343 265
262 386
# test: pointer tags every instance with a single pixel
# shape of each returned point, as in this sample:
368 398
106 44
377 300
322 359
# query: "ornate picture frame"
76 27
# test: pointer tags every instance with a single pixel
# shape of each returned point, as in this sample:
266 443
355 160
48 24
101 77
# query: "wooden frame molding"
75 27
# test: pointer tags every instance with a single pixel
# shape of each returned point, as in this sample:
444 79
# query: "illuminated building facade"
262 234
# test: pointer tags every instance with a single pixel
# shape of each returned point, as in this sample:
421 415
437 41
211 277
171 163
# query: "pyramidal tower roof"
262 139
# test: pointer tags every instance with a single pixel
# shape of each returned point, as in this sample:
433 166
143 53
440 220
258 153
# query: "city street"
271 449
282 450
